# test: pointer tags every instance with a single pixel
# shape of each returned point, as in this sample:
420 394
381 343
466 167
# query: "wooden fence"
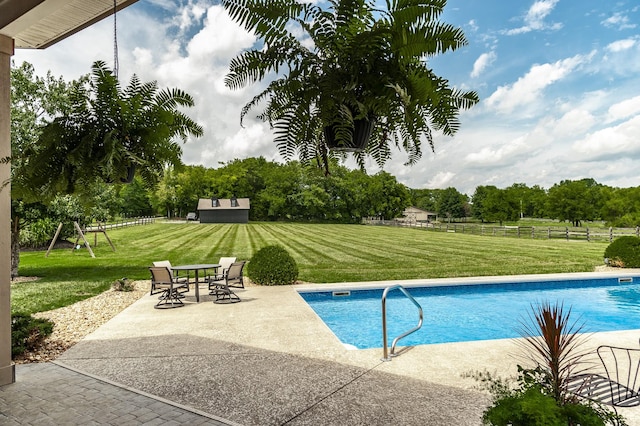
540 232
122 223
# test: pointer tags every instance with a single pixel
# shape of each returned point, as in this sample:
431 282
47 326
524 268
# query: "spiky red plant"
552 342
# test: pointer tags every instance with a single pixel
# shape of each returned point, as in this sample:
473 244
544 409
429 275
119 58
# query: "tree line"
573 201
296 192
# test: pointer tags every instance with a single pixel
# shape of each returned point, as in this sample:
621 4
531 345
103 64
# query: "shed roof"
414 209
223 204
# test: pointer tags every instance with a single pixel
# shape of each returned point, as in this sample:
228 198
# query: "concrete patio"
270 360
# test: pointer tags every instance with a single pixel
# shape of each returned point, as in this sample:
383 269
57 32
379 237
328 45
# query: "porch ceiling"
37 24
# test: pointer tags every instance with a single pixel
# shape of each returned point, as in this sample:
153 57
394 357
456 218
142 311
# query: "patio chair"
162 282
233 275
224 263
221 288
176 278
620 383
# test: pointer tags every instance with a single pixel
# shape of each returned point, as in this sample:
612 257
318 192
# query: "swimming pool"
463 312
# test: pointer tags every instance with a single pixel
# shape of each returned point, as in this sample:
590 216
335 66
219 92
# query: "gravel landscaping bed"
72 323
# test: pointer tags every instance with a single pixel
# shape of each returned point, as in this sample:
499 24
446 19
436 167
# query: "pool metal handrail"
386 355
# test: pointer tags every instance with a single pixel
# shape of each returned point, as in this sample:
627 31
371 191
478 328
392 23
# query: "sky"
558 80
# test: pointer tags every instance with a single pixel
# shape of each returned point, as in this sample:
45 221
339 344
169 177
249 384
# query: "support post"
55 238
81 235
7 367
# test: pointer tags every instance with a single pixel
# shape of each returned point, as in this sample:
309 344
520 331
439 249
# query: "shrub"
272 265
531 403
28 332
38 233
624 252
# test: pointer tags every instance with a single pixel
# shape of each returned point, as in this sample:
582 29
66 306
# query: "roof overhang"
37 24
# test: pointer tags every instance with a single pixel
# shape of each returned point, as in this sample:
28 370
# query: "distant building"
224 210
414 215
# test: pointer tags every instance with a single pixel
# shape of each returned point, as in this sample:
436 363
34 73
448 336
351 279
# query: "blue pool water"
475 312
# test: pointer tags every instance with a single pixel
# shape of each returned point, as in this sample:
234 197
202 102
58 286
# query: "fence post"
548 233
610 234
533 232
518 232
637 231
566 231
588 239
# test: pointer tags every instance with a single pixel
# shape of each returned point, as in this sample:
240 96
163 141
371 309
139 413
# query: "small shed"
414 214
224 210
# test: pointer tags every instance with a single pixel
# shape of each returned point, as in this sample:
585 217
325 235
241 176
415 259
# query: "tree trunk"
15 246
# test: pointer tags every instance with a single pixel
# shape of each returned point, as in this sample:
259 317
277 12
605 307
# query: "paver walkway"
50 394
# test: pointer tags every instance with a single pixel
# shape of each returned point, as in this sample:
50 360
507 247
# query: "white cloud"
220 39
482 63
441 180
534 19
624 109
618 20
528 88
498 154
621 45
164 4
190 15
575 122
611 142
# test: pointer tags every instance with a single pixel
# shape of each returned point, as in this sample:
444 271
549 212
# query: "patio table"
197 268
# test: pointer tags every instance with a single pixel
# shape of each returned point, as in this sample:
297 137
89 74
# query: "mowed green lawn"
325 253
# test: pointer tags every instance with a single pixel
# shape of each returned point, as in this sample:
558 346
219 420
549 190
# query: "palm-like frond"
267 18
363 63
109 130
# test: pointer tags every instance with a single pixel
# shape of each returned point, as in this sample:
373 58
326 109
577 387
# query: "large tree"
425 199
575 200
452 204
621 206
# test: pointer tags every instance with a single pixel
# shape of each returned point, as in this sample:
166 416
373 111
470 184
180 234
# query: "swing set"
95 230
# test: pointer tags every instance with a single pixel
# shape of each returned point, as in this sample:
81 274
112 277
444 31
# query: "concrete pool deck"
270 360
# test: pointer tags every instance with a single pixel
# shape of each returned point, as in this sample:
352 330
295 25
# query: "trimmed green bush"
624 252
28 332
272 265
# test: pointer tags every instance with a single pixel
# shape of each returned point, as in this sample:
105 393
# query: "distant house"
224 210
414 214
